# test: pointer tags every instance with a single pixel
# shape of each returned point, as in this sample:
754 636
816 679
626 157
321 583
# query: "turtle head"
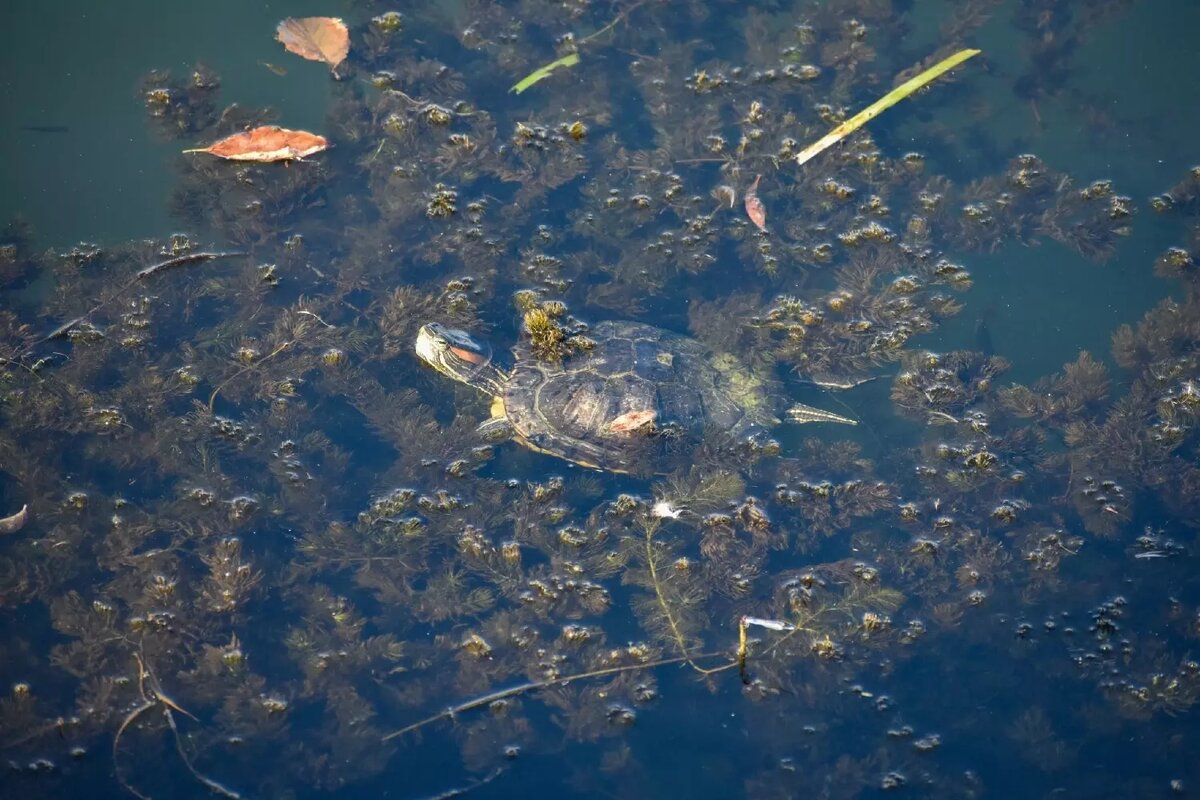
459 355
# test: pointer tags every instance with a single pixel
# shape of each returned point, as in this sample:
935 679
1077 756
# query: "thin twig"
146 705
183 261
213 397
155 697
314 316
469 705
140 275
213 786
652 564
623 15
459 791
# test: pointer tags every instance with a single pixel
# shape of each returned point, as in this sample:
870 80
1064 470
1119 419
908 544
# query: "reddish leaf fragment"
754 207
315 38
14 523
266 143
632 421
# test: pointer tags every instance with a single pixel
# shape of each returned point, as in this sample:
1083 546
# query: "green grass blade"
882 104
544 71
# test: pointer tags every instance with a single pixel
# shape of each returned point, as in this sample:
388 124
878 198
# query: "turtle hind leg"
801 413
496 429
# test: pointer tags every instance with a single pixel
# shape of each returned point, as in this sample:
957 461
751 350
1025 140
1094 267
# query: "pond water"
266 553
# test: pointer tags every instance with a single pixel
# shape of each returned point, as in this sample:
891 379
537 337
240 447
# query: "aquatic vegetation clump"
261 547
942 386
179 108
553 334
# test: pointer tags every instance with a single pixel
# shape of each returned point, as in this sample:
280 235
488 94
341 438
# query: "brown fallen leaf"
266 143
14 523
754 207
632 421
316 38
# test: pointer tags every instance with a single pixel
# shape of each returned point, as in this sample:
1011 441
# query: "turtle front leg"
498 428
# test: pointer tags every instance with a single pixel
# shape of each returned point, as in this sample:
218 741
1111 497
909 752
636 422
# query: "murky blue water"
262 536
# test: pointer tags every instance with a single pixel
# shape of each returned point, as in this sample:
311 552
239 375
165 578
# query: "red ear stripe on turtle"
469 355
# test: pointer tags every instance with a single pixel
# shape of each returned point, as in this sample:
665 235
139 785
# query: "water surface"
263 538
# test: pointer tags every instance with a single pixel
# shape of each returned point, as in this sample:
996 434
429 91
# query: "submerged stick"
836 383
140 275
459 791
513 691
739 660
882 104
180 261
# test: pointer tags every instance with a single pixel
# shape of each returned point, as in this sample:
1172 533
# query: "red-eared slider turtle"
606 407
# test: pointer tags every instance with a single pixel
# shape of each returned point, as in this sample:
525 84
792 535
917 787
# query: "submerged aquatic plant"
263 536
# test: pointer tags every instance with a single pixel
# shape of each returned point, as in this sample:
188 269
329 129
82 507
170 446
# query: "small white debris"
769 624
664 510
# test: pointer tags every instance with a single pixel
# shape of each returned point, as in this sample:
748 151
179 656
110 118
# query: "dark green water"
262 536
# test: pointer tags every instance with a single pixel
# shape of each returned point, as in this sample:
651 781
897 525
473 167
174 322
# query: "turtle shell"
639 391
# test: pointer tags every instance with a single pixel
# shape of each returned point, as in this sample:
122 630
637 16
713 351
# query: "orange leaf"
315 38
754 207
266 143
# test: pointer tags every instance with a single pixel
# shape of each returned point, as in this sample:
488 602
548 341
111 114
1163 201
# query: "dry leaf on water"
14 522
754 207
266 143
316 38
